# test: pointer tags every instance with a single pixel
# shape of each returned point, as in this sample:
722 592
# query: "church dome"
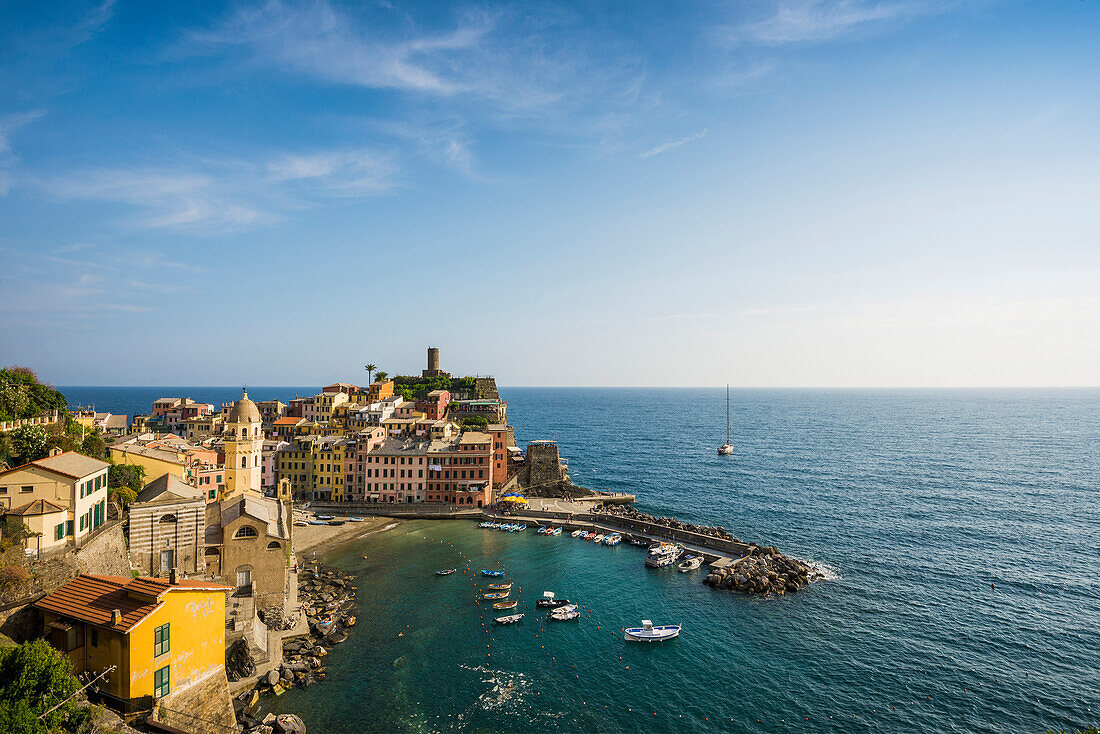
244 411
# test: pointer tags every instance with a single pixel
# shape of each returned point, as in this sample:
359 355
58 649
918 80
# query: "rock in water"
289 724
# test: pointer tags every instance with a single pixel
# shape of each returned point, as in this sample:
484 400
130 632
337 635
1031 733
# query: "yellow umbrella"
514 499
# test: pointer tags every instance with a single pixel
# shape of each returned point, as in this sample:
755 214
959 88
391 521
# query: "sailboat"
726 448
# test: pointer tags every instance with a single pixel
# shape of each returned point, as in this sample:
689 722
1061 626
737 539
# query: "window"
59 531
160 641
93 637
211 494
83 521
97 481
26 489
246 531
273 544
168 518
160 683
68 527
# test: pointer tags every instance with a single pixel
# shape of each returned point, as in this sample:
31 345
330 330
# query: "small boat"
520 528
485 572
566 613
505 605
589 535
496 595
638 542
301 523
549 602
510 619
555 531
543 531
597 539
690 563
325 517
613 539
727 448
500 587
355 519
577 533
485 525
446 572
335 522
318 522
648 633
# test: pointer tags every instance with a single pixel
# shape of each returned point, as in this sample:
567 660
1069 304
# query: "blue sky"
771 192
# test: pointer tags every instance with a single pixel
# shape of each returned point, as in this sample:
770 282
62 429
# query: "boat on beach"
486 572
505 605
355 519
510 619
326 517
690 563
648 633
446 572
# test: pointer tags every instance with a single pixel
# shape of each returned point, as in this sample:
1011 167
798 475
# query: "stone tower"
433 364
244 441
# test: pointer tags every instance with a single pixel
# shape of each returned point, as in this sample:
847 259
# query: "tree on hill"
35 678
22 395
29 442
125 481
381 375
370 368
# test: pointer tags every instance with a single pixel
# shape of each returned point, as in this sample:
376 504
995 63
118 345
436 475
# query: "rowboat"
500 587
446 572
510 619
496 595
505 605
485 572
648 633
555 531
577 533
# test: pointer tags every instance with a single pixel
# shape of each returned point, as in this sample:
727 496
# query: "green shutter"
161 686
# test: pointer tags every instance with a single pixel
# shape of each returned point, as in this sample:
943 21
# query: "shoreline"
309 537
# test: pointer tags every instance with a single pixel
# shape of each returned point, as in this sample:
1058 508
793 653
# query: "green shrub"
34 678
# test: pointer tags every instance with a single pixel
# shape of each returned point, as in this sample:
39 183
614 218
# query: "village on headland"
168 556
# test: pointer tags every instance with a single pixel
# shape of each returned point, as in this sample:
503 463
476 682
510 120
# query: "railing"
139 704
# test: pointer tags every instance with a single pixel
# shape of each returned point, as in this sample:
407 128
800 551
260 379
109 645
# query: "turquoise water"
918 500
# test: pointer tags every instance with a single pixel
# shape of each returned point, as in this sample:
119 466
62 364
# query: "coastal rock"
289 724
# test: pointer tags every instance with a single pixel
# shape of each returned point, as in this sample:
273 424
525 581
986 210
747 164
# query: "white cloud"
345 173
665 147
792 21
8 159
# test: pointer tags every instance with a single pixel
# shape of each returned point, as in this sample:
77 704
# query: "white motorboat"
566 613
550 602
727 448
613 539
510 619
577 533
690 563
648 633
597 539
662 554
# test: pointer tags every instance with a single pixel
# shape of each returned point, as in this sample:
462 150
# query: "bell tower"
244 441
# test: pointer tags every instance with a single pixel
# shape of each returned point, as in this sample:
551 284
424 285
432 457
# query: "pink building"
355 462
434 406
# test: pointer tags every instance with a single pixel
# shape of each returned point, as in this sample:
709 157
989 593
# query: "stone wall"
103 554
202 708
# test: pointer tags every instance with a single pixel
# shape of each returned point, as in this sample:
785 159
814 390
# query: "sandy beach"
311 536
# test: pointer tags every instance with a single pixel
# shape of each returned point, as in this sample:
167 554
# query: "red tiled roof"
37 507
90 598
288 421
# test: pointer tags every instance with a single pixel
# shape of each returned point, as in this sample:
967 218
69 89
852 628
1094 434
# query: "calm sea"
914 501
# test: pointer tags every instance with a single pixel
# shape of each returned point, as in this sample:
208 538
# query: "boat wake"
505 690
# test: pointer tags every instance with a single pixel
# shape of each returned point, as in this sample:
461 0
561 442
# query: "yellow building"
156 637
45 518
67 479
380 391
324 404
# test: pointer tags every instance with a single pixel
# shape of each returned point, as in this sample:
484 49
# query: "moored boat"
548 601
496 595
485 525
446 572
577 533
555 531
566 613
500 587
648 633
690 563
510 619
612 539
505 605
597 538
486 572
662 554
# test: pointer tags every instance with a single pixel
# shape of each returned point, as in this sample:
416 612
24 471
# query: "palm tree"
382 375
370 368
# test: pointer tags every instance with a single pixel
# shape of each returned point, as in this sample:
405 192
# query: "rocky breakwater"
630 513
327 600
765 571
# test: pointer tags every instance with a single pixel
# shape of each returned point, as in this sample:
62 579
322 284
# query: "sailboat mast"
727 413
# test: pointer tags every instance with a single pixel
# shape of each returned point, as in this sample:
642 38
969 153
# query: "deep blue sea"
916 501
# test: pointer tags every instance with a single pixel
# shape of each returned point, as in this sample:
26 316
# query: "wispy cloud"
665 147
222 196
792 21
8 159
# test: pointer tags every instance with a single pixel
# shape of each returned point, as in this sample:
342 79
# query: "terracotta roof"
38 507
91 598
288 421
68 464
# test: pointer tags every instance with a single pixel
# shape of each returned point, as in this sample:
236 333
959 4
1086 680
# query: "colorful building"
70 480
149 639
